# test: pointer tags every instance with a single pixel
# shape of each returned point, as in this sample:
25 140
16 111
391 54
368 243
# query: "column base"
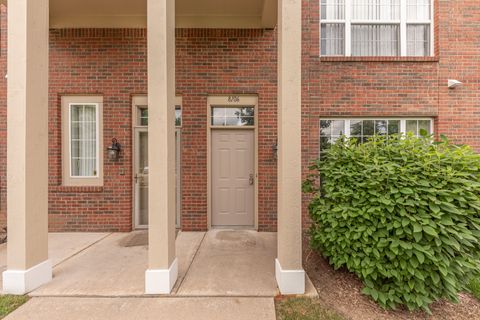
161 281
289 281
24 281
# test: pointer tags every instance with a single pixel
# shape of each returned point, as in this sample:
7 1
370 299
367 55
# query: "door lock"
251 180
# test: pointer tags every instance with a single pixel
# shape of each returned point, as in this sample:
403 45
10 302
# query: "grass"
474 286
303 309
10 303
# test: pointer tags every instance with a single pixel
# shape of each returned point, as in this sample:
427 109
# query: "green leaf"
420 256
429 230
418 236
435 208
406 191
417 227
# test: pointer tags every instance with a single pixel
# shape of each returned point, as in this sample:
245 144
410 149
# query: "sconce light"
275 150
114 150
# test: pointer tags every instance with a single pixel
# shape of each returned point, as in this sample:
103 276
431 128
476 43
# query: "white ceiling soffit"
189 13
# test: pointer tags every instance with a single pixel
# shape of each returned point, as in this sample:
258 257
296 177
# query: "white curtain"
418 40
384 10
83 140
375 40
418 10
332 9
332 40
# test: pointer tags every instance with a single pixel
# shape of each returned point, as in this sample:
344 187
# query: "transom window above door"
142 114
232 116
363 129
376 27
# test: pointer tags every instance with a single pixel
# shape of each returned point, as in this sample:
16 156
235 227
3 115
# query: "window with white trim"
142 113
363 129
233 116
82 141
376 27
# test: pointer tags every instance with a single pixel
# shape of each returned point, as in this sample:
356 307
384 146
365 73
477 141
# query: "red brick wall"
459 50
112 63
398 86
225 62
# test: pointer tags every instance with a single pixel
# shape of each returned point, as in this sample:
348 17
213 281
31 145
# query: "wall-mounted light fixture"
114 150
275 150
452 84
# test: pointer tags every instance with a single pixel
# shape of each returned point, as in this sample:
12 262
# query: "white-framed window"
331 129
232 116
84 144
376 27
142 112
178 115
82 140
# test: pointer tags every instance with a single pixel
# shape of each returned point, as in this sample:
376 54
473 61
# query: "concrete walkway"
146 308
223 274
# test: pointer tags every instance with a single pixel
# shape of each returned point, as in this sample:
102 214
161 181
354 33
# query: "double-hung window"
82 141
376 27
363 129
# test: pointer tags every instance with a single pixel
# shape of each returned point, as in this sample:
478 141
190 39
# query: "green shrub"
474 287
400 212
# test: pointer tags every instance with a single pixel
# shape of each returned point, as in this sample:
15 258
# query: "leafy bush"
474 287
402 213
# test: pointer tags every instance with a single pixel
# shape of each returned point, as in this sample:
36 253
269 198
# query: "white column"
28 266
162 263
288 265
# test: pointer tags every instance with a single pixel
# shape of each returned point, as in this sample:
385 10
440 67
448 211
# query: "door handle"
251 180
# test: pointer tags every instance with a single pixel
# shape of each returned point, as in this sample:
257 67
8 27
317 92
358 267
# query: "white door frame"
136 211
231 101
138 102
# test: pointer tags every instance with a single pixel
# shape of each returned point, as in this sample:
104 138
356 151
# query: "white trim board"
289 281
20 282
161 281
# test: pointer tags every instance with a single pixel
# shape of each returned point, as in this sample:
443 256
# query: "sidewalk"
223 274
172 308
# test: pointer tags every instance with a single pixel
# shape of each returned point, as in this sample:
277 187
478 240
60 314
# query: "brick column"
28 266
288 265
162 264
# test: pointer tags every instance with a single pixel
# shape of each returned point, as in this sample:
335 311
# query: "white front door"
233 177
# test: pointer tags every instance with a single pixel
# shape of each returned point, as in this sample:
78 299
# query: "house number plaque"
233 98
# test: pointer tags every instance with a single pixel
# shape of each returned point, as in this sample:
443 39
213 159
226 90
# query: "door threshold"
246 228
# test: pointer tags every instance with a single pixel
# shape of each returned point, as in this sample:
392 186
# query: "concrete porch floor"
218 263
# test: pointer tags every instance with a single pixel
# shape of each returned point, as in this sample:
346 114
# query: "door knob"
251 180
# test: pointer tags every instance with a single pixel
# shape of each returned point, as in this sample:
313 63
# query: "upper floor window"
376 27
